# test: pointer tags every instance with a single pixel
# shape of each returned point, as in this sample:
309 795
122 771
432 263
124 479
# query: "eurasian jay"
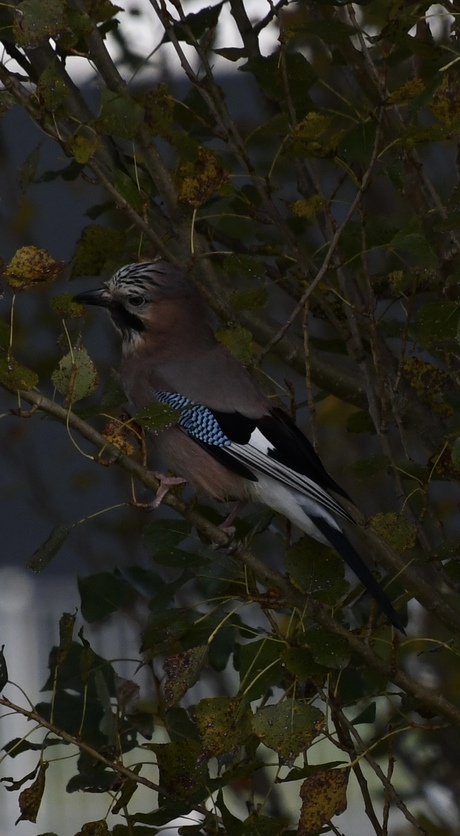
230 442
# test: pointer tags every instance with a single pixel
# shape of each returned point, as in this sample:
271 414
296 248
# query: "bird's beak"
98 296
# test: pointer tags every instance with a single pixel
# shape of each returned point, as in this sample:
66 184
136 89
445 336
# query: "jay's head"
146 297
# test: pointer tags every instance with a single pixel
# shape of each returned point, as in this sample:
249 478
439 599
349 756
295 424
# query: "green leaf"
19 745
101 595
66 627
316 570
36 22
97 246
455 453
365 468
144 581
438 324
14 375
412 241
3 669
102 10
330 31
76 376
260 667
183 773
156 417
238 341
4 334
258 825
366 716
243 266
52 89
360 422
162 538
28 170
81 147
196 24
231 53
396 530
49 549
299 662
250 300
119 115
165 627
327 649
288 727
297 773
66 308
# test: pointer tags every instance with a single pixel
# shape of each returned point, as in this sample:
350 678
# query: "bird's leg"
227 525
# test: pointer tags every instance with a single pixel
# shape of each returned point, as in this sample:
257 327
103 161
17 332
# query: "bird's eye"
135 300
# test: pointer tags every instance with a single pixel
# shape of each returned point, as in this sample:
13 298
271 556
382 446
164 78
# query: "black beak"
99 296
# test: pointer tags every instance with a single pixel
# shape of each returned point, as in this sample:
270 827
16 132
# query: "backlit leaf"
76 376
14 375
224 724
288 727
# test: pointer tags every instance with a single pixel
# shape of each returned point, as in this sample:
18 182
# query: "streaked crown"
130 292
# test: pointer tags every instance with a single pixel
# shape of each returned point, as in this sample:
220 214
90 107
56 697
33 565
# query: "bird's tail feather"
343 546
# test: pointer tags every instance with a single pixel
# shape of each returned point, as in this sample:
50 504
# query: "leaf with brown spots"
223 724
30 266
30 798
182 672
323 795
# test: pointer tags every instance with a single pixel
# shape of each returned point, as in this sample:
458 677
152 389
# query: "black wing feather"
293 449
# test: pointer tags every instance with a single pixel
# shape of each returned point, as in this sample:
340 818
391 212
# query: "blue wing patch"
197 420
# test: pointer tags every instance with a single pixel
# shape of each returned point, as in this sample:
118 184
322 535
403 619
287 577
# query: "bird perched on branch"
230 442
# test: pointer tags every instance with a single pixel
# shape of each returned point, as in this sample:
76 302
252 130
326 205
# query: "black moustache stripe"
125 321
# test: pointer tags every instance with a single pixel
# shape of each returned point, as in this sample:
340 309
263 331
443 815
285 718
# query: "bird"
230 441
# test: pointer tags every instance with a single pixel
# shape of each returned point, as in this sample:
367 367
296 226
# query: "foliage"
323 226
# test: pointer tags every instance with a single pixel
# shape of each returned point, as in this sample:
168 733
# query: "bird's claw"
166 483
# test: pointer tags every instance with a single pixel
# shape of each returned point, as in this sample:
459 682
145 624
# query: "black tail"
340 543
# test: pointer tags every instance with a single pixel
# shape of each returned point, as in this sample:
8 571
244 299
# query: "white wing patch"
256 454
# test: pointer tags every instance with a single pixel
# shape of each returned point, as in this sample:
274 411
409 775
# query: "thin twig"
317 611
331 249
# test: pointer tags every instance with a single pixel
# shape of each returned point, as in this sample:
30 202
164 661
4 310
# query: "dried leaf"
30 798
49 549
182 671
29 266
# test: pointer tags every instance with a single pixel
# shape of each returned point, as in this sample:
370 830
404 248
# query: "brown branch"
117 766
348 731
317 611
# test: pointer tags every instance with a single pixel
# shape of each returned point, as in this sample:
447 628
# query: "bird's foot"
166 483
228 528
